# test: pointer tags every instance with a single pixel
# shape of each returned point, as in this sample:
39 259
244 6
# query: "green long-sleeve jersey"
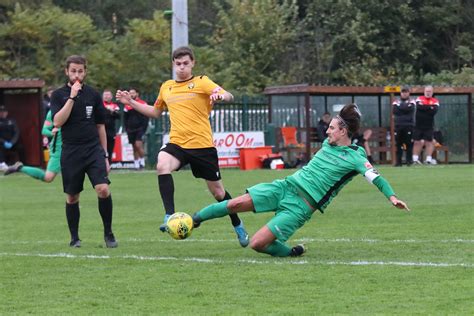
47 131
331 169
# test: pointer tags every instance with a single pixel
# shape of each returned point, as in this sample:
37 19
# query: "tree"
358 42
248 45
140 58
102 11
446 29
36 41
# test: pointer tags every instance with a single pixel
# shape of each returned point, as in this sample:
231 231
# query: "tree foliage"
250 45
140 58
35 41
244 45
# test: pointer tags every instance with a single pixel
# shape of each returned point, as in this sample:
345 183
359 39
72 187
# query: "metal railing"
245 114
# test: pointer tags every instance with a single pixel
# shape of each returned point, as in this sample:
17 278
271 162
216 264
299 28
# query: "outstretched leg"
239 204
219 193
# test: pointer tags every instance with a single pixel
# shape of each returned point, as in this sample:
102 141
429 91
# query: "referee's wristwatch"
106 155
73 98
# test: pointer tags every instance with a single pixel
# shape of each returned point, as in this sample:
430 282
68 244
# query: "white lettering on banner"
234 140
228 144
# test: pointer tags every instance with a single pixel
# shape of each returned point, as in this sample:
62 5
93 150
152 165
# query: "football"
180 225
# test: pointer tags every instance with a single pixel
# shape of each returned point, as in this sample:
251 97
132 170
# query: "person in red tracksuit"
426 109
112 114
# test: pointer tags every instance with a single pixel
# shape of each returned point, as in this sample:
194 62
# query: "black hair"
349 118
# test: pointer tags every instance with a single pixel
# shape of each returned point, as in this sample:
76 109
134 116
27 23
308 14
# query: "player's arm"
215 92
99 118
372 176
48 126
103 143
102 137
63 114
219 94
145 109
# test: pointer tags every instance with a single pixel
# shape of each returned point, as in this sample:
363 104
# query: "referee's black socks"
233 217
105 210
166 186
72 216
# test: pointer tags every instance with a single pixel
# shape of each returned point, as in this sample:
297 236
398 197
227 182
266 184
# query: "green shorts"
281 197
54 163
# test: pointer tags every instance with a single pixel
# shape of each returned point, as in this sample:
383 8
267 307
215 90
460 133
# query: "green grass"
364 257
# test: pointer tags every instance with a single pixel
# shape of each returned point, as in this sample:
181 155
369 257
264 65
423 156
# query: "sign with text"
122 156
227 145
391 89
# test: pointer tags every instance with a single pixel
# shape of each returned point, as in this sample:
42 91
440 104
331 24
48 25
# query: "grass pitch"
364 257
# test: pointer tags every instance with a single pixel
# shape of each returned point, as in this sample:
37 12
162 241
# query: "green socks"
278 249
36 173
213 211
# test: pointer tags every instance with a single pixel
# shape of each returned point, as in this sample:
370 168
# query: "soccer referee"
78 110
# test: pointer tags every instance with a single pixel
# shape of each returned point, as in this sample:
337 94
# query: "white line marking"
250 261
306 240
394 241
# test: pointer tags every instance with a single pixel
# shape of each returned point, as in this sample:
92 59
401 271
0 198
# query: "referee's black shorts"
203 161
79 160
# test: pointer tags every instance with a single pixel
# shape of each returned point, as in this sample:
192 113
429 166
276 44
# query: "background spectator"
9 135
404 114
111 115
323 126
426 109
54 163
361 139
135 126
46 102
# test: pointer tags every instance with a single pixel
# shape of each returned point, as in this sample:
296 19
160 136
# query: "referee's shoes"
110 241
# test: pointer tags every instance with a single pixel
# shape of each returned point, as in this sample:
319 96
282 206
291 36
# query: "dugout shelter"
303 105
22 97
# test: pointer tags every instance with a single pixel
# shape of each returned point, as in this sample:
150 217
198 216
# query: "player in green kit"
54 163
295 198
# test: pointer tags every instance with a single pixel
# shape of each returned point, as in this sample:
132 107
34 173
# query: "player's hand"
216 97
7 145
399 203
54 130
107 165
75 88
123 97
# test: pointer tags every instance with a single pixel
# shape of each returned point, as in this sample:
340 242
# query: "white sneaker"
417 162
431 162
3 166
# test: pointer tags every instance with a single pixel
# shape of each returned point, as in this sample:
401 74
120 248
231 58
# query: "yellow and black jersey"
189 106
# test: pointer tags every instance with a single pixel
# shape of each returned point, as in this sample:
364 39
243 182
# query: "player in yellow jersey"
189 101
